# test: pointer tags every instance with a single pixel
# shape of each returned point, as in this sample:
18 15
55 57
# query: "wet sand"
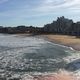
70 41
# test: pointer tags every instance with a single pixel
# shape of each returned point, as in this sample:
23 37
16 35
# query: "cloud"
37 10
54 5
44 7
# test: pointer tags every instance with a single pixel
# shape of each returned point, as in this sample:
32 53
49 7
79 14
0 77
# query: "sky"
37 12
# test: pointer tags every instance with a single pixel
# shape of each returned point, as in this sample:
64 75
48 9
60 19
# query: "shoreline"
72 45
57 43
71 42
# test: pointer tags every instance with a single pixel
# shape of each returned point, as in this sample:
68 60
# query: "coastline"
67 41
71 42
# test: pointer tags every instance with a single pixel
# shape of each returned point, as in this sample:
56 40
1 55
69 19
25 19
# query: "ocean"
20 55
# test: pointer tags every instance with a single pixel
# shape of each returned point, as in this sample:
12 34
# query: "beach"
66 40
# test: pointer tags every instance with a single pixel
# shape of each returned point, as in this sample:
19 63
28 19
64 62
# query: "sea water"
20 55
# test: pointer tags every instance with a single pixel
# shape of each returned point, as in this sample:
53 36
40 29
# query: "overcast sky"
37 12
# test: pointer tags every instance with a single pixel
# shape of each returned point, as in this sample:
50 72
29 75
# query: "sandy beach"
70 41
